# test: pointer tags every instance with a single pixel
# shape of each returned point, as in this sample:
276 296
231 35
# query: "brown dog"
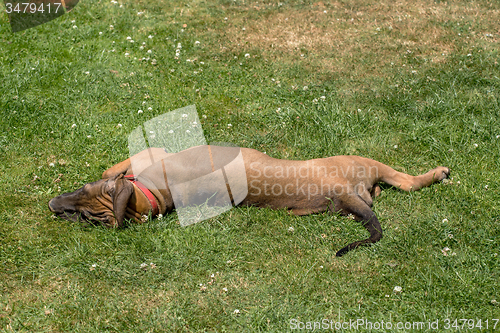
143 185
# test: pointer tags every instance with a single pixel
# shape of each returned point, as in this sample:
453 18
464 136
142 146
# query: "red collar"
147 193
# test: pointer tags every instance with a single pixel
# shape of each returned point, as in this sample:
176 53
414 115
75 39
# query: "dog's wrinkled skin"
114 199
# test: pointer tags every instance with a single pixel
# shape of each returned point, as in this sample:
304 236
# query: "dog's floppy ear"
120 191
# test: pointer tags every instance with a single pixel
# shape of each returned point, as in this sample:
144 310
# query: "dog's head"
101 202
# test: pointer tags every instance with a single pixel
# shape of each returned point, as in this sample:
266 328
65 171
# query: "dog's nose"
50 206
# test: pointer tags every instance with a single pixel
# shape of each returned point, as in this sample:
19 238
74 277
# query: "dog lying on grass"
154 182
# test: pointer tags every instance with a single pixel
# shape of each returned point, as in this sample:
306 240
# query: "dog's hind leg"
362 212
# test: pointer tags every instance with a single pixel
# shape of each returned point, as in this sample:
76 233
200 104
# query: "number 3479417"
31 8
464 324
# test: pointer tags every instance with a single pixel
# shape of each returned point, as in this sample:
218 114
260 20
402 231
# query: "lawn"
412 84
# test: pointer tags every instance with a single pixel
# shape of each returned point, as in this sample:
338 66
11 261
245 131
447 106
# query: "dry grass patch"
360 37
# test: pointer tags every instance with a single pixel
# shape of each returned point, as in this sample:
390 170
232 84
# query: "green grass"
400 85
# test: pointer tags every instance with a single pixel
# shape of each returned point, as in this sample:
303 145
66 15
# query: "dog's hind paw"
442 173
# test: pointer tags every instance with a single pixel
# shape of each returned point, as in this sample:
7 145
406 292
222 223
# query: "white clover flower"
127 54
229 125
445 221
129 38
197 43
74 27
224 289
395 146
140 111
73 126
291 229
111 27
398 289
51 164
150 36
144 265
247 55
184 115
119 125
150 51
140 13
188 131
236 311
445 251
141 47
100 32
